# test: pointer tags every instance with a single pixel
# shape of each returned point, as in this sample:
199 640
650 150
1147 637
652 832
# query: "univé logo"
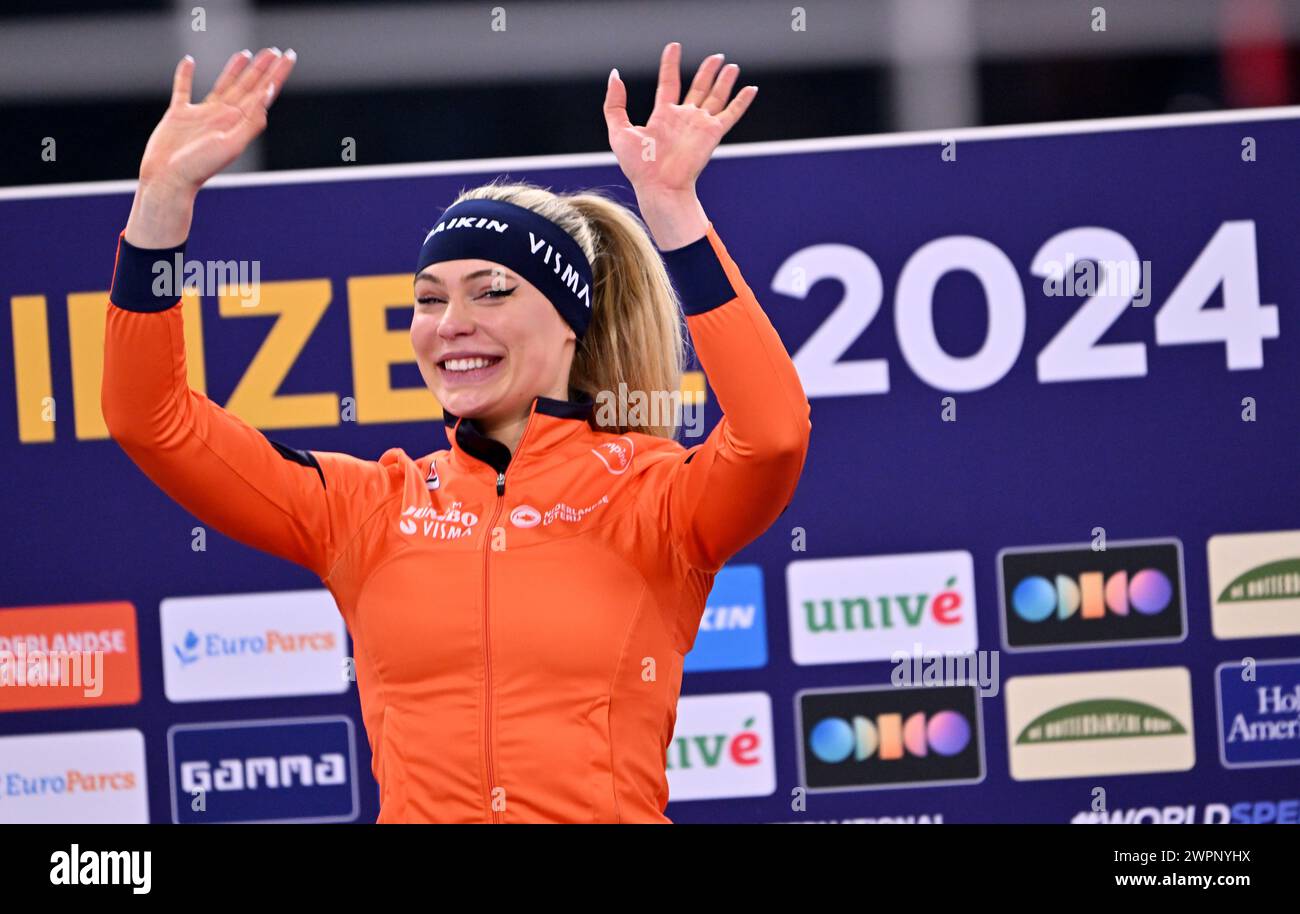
721 747
875 737
1077 595
860 608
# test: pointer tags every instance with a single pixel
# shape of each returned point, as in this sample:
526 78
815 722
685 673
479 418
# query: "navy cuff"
697 274
134 277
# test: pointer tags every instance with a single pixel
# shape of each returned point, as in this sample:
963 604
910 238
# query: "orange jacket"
519 623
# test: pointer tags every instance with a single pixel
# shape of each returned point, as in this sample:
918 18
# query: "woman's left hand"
663 158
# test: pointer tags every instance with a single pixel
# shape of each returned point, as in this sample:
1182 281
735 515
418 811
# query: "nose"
456 319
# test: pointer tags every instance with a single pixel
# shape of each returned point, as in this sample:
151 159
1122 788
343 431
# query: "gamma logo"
881 737
1111 722
1076 596
301 769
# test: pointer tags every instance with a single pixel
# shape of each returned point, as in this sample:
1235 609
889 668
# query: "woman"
520 602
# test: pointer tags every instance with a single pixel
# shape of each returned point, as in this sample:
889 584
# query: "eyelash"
494 293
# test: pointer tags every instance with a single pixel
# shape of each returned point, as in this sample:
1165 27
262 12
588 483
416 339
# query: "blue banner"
1022 346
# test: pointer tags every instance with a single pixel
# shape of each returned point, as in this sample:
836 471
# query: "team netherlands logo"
616 455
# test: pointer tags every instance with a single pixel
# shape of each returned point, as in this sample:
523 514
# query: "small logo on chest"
451 524
616 455
528 516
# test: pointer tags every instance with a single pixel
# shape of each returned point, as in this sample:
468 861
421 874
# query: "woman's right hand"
193 142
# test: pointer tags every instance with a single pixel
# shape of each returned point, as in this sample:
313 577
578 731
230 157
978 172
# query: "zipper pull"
501 483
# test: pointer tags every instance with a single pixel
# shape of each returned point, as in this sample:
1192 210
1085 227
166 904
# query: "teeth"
467 364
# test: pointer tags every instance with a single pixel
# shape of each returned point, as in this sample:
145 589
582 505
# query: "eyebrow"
425 274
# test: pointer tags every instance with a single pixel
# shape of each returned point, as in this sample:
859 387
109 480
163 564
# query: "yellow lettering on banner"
86 315
32 382
693 389
375 348
301 304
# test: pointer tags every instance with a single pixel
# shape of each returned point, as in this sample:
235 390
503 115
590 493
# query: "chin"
469 404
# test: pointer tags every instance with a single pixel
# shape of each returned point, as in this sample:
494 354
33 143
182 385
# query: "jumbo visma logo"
1101 718
889 737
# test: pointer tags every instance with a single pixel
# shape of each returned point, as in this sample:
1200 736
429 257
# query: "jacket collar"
550 421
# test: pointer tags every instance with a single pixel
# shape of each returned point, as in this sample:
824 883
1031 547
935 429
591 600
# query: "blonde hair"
636 336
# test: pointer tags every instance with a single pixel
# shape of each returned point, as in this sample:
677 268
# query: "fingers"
252 79
704 81
183 81
279 73
616 103
721 89
670 84
739 105
234 66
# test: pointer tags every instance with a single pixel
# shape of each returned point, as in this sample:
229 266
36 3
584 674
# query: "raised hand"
669 152
193 142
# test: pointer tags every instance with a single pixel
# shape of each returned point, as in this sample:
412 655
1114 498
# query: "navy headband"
531 245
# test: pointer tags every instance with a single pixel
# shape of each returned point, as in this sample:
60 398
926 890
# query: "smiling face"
487 341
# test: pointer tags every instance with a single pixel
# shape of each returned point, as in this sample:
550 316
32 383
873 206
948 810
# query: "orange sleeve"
297 505
725 492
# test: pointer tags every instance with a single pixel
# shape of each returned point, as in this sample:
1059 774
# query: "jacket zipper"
487 632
